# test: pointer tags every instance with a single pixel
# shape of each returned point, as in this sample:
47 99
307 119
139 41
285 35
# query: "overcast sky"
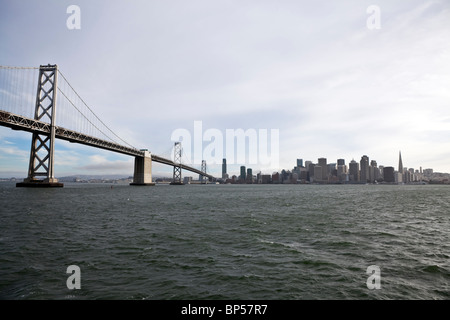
313 70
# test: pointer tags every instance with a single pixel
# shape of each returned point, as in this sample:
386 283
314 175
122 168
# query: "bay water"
278 242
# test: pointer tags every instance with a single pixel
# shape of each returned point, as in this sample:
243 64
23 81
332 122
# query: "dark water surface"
225 241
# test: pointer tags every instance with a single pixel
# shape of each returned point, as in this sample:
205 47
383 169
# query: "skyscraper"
354 171
299 163
364 168
249 177
318 173
310 168
374 171
243 176
323 164
224 169
400 163
388 173
341 162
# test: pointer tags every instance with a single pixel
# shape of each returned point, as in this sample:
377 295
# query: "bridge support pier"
143 170
46 183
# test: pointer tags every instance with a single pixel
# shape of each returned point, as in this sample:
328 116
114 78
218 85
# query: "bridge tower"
202 177
177 160
43 145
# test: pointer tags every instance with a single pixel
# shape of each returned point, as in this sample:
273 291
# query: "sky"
332 79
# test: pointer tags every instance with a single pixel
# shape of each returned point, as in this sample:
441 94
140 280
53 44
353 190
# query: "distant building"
381 172
275 177
398 177
341 162
323 164
364 165
318 173
266 178
243 175
342 173
354 171
331 169
300 163
388 174
374 172
304 176
400 162
187 180
224 169
408 176
311 171
285 176
249 177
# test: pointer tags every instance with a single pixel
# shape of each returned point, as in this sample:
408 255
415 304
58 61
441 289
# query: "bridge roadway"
17 122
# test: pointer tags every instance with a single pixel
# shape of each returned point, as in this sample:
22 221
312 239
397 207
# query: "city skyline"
323 171
317 72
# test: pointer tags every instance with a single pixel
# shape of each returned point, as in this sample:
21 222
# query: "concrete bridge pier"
143 170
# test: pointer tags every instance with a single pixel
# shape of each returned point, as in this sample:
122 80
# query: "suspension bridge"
41 101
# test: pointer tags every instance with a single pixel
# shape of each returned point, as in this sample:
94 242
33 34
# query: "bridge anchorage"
45 129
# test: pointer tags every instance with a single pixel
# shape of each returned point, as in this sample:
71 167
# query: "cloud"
11 151
100 164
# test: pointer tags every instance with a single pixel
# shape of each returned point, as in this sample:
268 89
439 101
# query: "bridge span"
44 133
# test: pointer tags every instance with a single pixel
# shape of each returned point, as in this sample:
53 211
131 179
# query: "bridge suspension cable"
18 89
75 100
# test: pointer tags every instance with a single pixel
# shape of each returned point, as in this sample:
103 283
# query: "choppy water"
225 241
